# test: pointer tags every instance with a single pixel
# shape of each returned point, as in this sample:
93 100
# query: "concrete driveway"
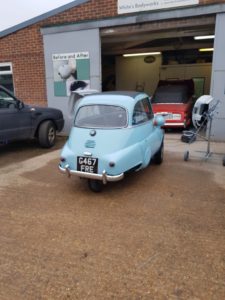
158 234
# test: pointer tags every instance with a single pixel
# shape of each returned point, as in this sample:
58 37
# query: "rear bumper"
175 124
102 177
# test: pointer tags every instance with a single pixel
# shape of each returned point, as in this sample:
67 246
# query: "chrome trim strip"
104 177
174 124
87 153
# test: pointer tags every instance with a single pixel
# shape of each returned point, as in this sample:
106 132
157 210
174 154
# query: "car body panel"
19 121
40 114
176 115
15 124
118 150
174 100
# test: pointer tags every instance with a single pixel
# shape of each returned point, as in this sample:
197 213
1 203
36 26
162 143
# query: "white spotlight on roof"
204 37
141 54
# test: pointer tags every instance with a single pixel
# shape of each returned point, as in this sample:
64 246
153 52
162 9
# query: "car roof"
171 94
131 94
188 83
121 98
180 89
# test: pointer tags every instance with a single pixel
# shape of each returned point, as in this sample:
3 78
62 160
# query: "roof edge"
136 18
42 17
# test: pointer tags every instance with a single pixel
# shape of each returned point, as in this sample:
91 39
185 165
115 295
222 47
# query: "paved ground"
158 234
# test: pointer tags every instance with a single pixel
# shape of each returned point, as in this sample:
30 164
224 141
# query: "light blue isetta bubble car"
113 133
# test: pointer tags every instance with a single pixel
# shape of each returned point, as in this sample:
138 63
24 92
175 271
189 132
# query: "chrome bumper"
179 124
103 177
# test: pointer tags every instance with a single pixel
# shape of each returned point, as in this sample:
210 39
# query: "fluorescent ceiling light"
204 37
206 49
141 54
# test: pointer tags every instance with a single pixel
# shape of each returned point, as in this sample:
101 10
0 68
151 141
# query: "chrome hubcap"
51 135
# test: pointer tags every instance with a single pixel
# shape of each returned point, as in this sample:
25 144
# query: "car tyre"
95 185
47 134
158 158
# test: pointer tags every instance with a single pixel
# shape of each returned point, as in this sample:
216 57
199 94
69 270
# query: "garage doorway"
178 57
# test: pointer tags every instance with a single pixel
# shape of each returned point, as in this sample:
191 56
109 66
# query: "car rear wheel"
47 134
158 158
95 185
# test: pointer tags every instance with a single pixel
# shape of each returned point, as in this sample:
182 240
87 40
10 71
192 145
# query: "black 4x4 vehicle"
19 121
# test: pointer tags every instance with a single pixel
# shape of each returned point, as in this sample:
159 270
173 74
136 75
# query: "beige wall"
187 72
133 71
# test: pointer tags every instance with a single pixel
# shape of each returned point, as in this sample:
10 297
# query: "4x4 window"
6 76
142 112
6 101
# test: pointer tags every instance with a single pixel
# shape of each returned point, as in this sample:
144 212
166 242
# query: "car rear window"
171 94
101 116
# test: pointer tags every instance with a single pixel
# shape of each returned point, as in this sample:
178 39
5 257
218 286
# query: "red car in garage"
174 100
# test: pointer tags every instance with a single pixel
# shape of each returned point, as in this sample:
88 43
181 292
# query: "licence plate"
176 117
87 164
168 116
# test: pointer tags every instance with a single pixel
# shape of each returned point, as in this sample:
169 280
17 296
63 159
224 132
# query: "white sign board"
71 72
130 6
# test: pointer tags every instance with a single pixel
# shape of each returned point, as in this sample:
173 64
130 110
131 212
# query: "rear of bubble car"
100 146
104 144
95 157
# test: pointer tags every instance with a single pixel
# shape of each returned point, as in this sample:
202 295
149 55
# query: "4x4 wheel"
47 134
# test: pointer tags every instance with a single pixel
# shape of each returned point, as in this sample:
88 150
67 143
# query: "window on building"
6 76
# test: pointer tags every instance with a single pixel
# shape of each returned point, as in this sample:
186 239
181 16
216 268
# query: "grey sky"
14 12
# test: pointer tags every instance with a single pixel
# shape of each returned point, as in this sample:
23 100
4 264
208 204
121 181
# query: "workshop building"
83 45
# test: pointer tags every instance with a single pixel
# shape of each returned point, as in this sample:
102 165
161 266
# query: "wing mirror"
158 121
20 105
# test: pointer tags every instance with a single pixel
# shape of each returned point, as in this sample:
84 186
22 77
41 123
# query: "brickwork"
24 48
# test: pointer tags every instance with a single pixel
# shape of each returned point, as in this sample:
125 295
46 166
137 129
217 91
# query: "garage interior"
179 56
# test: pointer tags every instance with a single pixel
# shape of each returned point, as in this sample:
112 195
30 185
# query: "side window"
6 76
148 108
6 101
142 112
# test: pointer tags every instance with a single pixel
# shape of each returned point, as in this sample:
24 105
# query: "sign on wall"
71 72
129 6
